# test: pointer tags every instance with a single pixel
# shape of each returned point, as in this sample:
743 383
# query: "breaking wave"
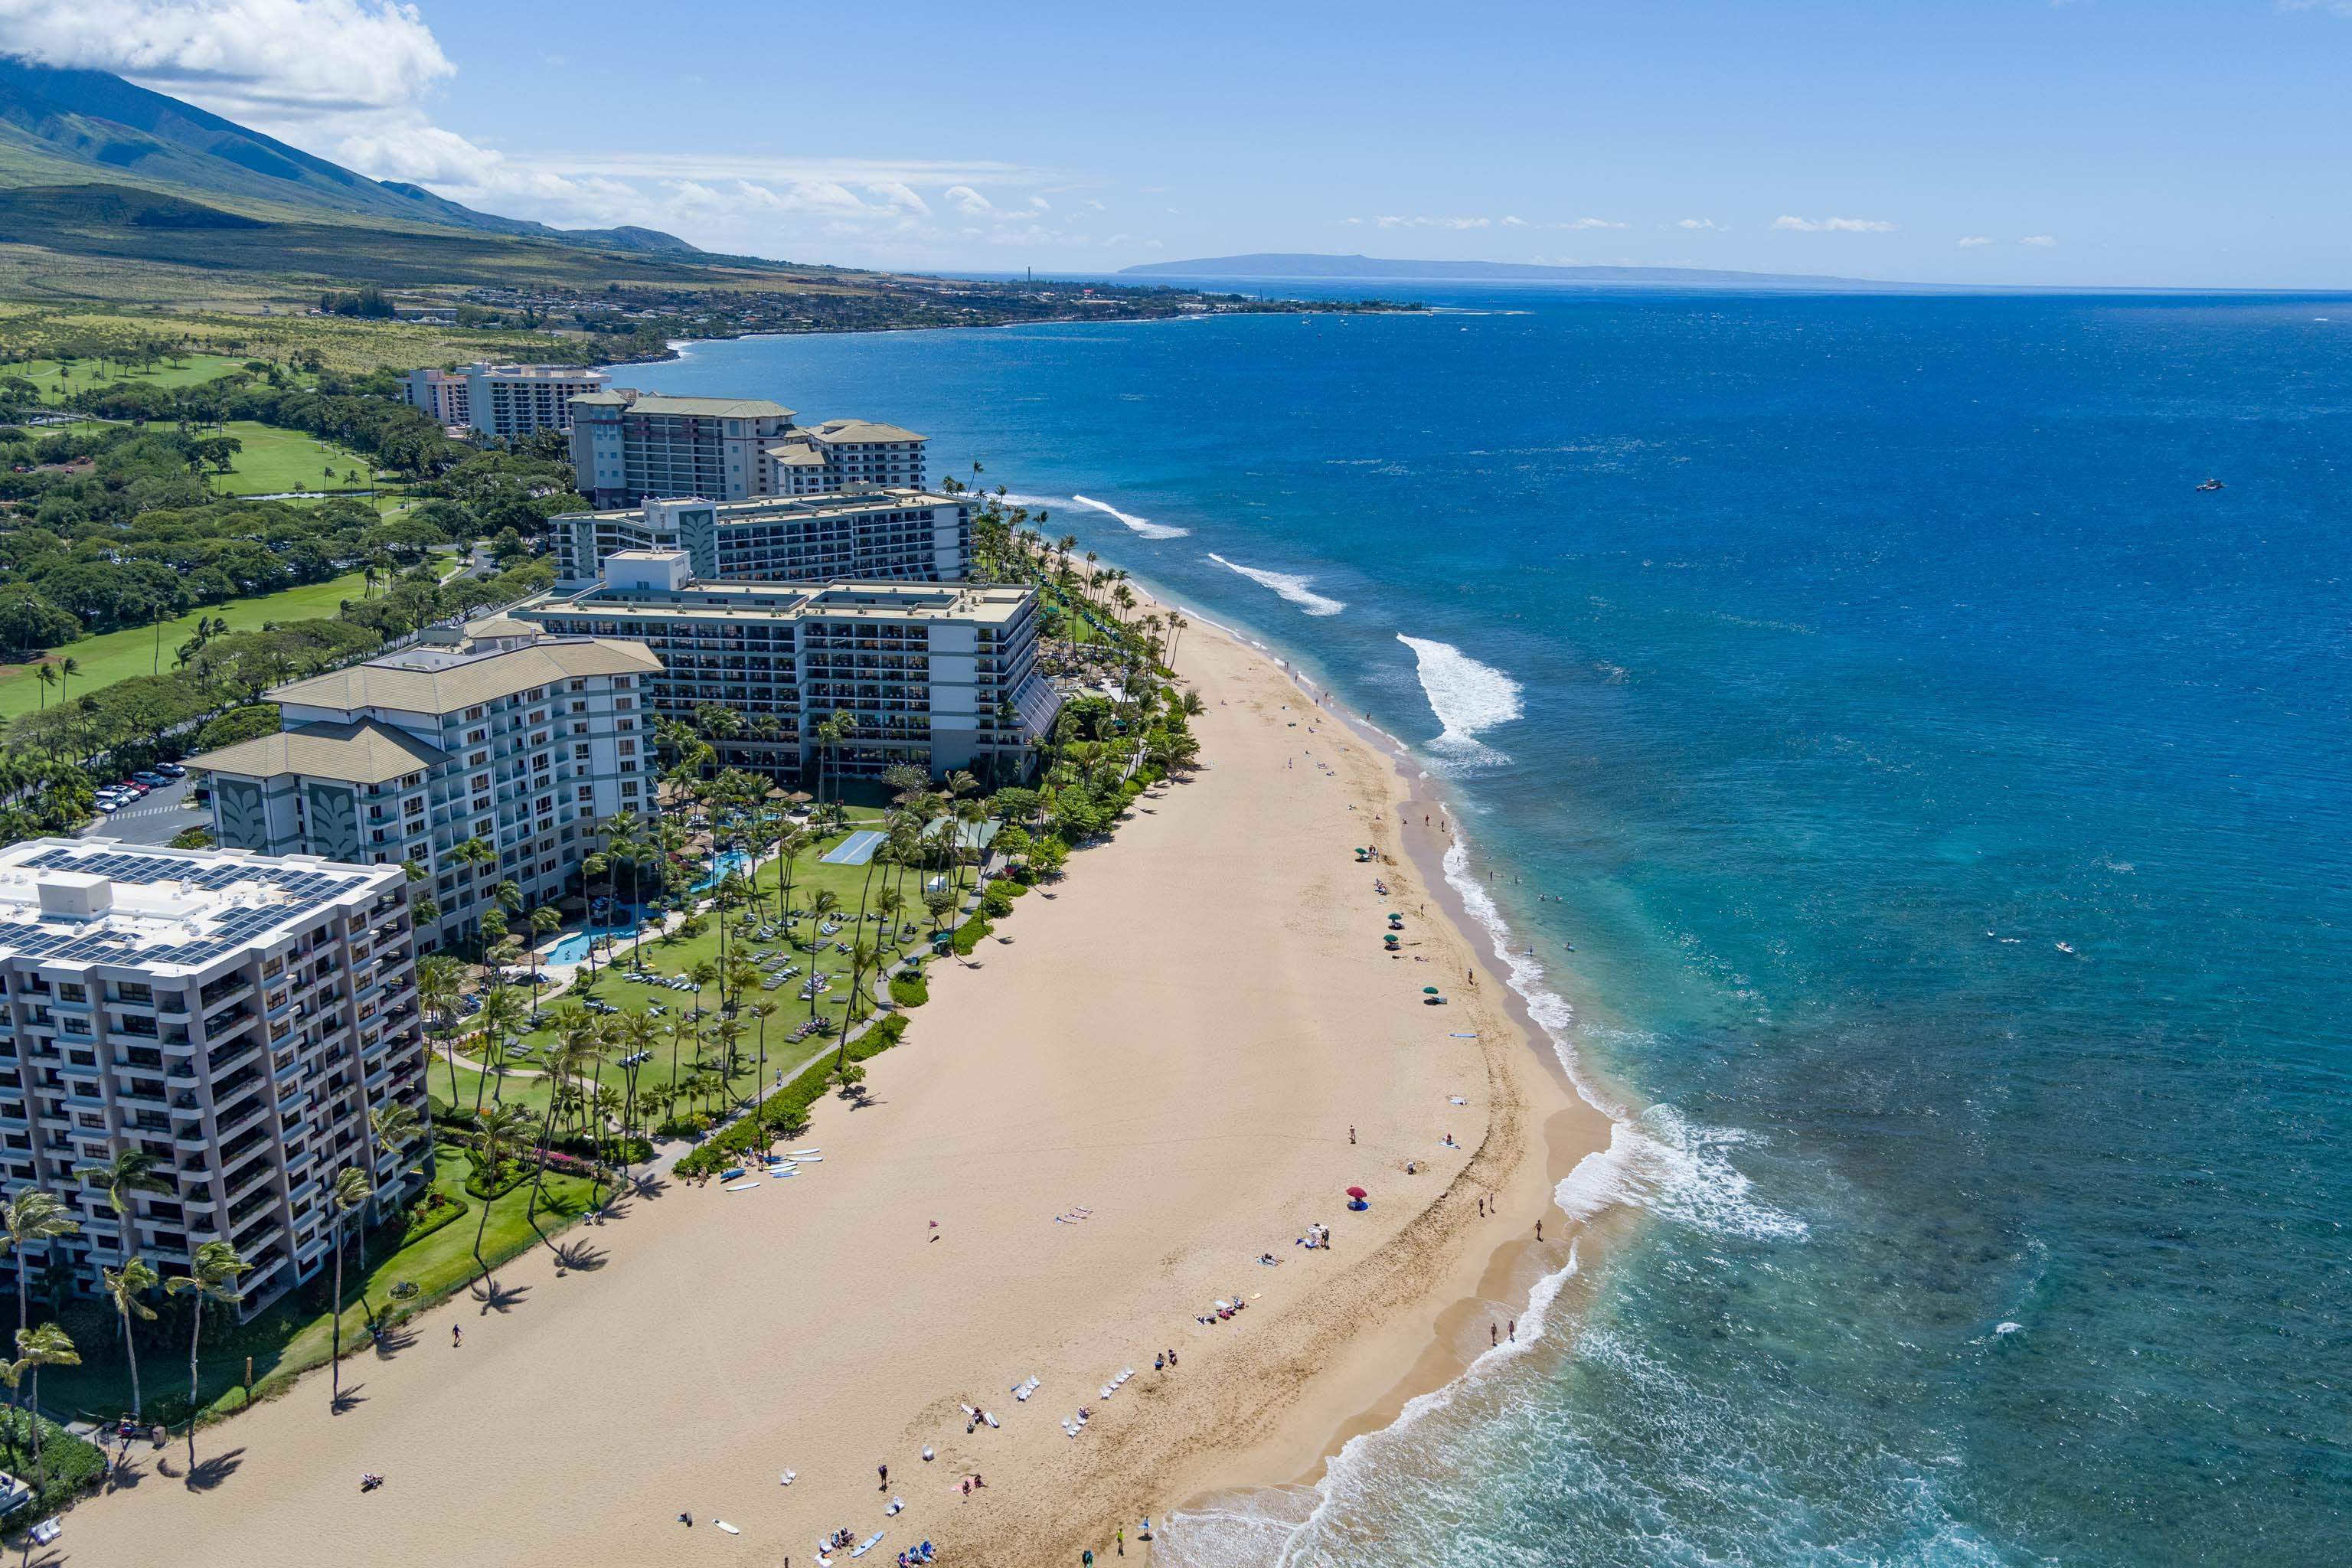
1288 584
1142 525
1468 698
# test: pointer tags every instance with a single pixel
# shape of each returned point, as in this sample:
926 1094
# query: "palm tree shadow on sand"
579 1255
209 1473
348 1398
497 1298
393 1340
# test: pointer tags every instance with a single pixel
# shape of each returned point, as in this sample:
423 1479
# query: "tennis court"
855 851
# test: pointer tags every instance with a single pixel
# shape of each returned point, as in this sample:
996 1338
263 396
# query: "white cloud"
267 59
1834 224
1352 220
1435 222
894 194
1969 240
1699 223
352 81
2041 239
1041 204
1604 223
1515 223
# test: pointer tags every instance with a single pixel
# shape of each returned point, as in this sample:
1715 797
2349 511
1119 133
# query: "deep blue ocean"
1948 802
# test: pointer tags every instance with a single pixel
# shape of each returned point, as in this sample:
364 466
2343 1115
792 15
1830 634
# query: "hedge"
424 1217
789 1106
909 990
75 1466
969 934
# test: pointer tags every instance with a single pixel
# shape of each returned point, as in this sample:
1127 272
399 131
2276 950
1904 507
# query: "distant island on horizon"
1289 265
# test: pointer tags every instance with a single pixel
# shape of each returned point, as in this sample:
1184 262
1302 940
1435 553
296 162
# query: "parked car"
152 779
171 770
109 805
129 786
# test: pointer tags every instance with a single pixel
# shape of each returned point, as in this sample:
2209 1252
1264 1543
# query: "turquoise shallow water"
1833 661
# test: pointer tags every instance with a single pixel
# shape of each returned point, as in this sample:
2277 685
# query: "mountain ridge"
62 126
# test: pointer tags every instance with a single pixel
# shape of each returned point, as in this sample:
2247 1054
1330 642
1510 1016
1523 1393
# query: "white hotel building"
236 1017
502 399
942 676
629 446
899 536
497 731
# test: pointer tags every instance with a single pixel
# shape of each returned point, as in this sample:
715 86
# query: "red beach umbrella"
1358 1193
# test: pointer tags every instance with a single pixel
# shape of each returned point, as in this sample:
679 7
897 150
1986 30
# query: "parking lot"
156 818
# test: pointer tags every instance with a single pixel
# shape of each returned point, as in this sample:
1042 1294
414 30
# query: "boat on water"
2211 485
2066 947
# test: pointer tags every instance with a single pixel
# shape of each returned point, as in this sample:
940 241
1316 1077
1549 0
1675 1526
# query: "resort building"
627 445
236 1017
904 536
502 399
494 733
943 676
844 455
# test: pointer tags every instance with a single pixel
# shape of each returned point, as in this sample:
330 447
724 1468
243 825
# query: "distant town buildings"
941 676
237 1017
903 536
505 400
496 734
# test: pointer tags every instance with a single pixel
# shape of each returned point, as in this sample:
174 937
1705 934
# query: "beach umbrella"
1429 991
1358 1193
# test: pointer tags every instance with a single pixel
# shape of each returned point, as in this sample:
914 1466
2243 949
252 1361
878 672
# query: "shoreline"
1516 1268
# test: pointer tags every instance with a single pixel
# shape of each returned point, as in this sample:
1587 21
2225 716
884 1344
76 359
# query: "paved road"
155 818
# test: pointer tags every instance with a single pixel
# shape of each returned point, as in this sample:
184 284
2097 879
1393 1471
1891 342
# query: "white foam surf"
1142 525
1288 584
1467 696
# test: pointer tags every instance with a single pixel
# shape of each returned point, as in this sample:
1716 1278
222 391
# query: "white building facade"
499 734
845 457
629 446
903 536
237 1017
505 400
942 676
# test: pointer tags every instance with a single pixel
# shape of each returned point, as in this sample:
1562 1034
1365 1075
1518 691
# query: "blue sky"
2001 142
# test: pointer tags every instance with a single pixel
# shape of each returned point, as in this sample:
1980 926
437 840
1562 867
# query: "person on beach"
1352 1136
1482 1208
1515 1331
1122 1538
884 1471
1494 1335
457 1336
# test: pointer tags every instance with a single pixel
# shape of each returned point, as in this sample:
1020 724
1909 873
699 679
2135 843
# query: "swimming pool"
574 949
730 861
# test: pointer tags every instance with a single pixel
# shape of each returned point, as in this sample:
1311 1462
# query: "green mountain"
78 128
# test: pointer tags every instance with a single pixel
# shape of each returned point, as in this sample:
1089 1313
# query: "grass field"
275 461
55 378
678 955
116 655
294 1335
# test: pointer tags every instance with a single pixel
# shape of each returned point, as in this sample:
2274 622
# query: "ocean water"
1946 803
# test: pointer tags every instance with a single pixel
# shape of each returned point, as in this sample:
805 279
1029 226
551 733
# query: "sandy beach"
1091 1133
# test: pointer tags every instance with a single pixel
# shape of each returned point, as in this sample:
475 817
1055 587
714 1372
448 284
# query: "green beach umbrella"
1428 990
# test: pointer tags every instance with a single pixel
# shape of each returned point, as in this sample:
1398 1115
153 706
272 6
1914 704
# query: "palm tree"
48 1345
702 974
543 920
47 674
353 1190
32 1216
498 1139
212 1276
501 1013
124 1286
391 1129
67 668
439 978
130 1173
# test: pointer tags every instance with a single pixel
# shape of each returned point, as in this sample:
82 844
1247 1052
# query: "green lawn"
56 379
678 955
295 1334
117 656
275 461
